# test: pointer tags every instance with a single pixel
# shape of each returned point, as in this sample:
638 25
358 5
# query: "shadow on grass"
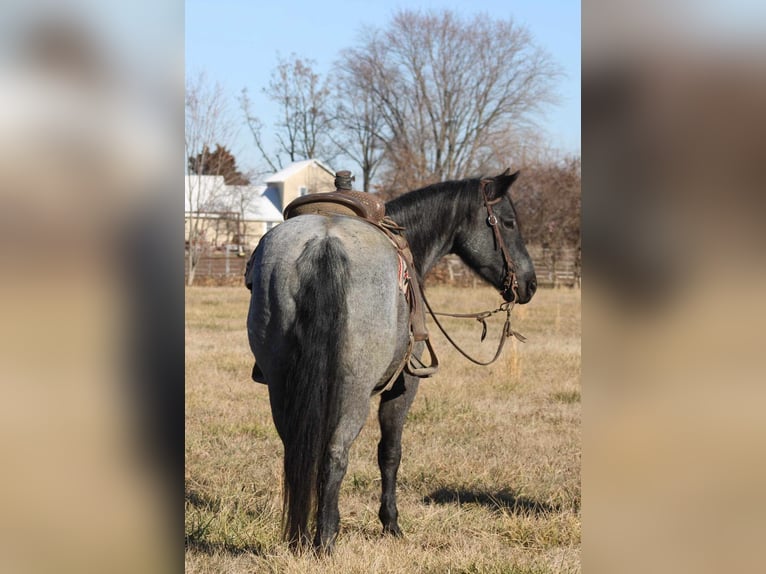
217 548
503 501
196 537
203 501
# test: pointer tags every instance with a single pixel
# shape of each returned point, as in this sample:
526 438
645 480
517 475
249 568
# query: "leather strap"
481 317
510 281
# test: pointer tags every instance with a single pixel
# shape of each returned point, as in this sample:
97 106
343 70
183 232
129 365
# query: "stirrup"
422 370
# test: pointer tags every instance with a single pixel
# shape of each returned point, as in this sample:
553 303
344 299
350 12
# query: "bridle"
510 281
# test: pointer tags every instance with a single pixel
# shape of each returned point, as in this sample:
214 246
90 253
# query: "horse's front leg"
394 405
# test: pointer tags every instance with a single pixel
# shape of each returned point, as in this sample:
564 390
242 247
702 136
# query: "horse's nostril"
532 287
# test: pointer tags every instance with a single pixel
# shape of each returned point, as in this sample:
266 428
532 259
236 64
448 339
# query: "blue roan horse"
328 324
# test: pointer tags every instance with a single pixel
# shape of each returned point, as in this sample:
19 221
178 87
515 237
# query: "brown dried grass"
490 476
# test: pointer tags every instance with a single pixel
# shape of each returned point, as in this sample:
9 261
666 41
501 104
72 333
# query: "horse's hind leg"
394 405
331 475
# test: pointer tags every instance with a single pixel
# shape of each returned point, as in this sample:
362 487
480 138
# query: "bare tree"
358 125
206 123
239 200
549 202
256 127
447 87
302 132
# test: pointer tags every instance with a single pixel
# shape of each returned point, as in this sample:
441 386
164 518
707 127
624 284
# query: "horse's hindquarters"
377 315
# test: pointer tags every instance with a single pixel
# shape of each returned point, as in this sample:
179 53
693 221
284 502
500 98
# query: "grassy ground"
490 475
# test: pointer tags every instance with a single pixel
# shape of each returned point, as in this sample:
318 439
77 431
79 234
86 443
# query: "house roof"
294 168
201 188
260 207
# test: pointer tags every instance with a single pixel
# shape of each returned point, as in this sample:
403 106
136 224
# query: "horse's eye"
509 223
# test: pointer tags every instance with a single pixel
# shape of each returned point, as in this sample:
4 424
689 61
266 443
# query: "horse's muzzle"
523 292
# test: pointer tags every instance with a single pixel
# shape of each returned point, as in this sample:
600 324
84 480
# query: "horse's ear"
504 180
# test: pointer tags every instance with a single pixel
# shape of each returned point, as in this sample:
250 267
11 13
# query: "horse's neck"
429 227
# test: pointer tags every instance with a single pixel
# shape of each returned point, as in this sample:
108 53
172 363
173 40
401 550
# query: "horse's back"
375 331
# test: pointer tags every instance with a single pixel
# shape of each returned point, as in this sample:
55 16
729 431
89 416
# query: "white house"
226 214
202 190
260 214
297 179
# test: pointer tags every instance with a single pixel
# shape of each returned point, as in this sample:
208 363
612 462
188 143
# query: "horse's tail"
311 398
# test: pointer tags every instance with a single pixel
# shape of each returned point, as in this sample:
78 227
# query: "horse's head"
490 240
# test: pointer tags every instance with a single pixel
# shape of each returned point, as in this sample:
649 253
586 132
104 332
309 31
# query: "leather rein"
510 282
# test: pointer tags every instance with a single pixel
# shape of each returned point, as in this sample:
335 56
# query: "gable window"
303 191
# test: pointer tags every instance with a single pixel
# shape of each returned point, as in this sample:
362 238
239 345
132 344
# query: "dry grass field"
490 474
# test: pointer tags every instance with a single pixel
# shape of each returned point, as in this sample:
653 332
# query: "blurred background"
91 356
673 241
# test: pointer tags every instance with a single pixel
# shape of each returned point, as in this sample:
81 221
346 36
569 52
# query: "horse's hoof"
394 531
323 550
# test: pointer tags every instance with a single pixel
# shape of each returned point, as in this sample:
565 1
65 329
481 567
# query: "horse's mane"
433 211
431 196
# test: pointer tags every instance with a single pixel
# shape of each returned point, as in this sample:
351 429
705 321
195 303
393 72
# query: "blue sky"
236 43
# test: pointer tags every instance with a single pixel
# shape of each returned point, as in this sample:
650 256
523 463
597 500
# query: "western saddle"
372 210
